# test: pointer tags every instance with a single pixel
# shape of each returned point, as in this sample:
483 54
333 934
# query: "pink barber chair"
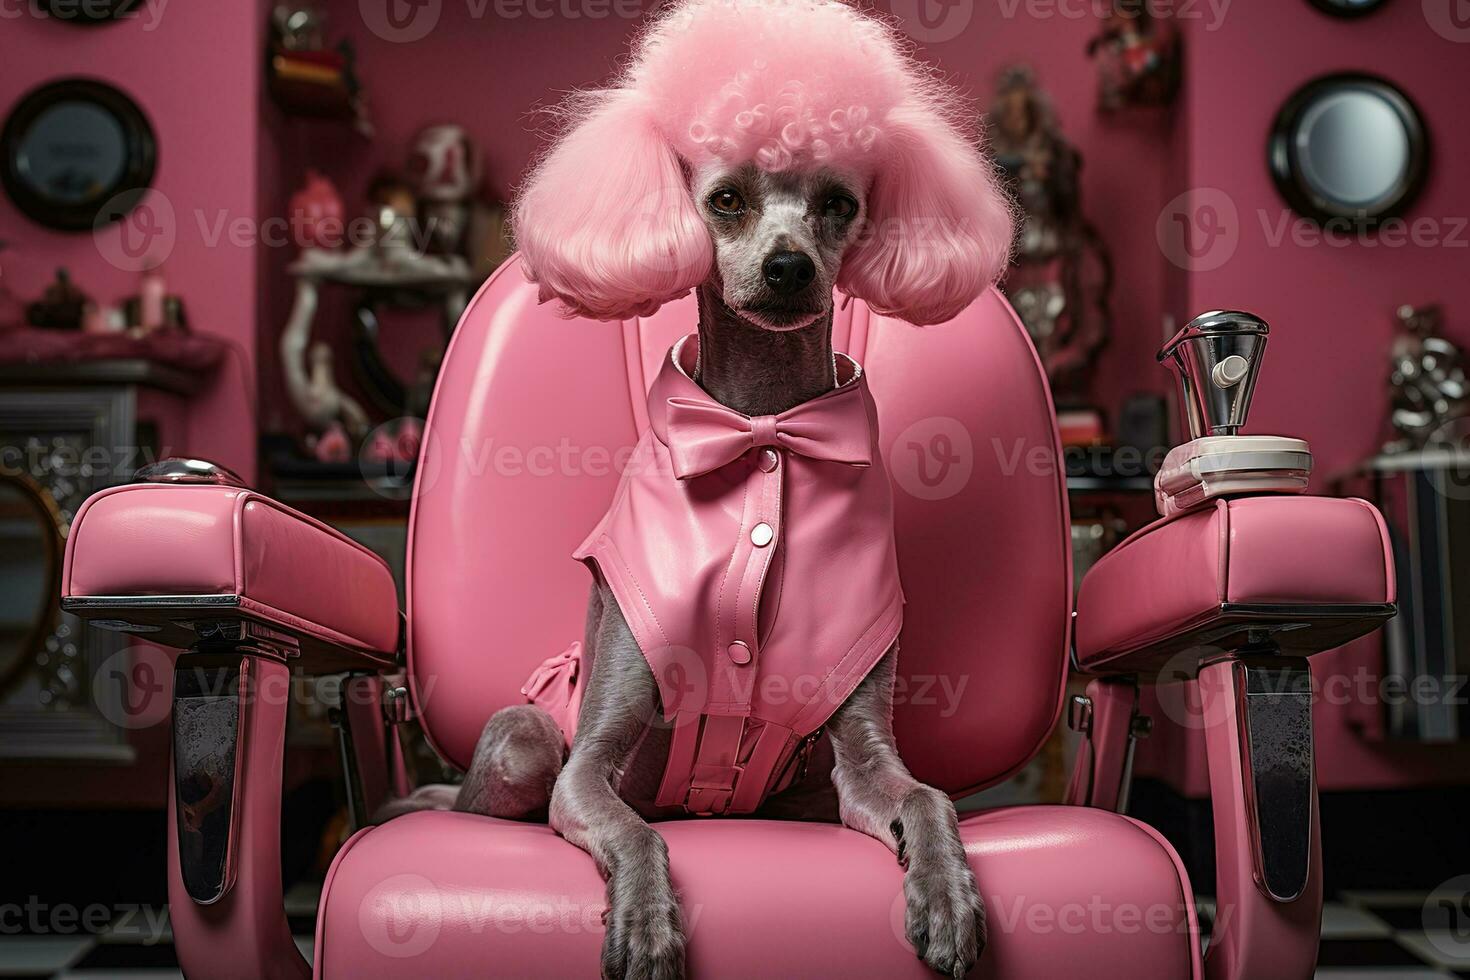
532 416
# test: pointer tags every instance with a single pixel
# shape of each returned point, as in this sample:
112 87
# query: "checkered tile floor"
1365 936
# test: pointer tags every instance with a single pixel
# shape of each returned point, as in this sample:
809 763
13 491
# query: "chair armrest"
1230 598
1302 574
252 589
184 563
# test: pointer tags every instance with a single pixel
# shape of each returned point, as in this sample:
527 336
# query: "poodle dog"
760 153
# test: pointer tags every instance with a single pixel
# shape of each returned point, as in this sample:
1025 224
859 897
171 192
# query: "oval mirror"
1349 146
1348 8
73 149
30 540
87 11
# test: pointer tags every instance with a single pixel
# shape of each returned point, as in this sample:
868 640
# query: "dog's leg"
435 796
515 764
645 938
519 753
877 795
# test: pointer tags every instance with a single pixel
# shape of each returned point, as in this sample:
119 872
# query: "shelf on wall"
174 360
119 371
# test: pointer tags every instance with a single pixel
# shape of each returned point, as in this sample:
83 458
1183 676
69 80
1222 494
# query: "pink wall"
1330 306
483 72
489 65
1124 170
195 70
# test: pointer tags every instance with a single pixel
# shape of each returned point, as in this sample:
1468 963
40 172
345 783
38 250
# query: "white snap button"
769 460
761 535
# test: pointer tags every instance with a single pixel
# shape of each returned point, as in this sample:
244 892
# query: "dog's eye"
727 202
839 207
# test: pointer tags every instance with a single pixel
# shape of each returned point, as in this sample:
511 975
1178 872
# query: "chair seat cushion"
165 555
1070 891
1316 568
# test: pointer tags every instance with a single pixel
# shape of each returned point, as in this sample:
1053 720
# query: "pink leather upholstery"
1282 550
287 569
1071 892
533 414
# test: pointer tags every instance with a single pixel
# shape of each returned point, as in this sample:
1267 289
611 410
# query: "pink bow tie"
703 435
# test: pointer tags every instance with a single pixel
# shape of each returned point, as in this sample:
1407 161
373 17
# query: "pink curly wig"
605 222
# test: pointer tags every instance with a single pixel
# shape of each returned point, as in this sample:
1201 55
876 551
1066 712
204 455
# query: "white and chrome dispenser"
1217 358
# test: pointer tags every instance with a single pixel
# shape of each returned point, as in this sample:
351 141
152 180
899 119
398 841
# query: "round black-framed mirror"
1348 8
1349 146
73 147
87 12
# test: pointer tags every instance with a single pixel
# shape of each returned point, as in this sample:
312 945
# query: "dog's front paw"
644 941
945 918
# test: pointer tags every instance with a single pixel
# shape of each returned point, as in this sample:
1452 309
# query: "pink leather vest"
754 560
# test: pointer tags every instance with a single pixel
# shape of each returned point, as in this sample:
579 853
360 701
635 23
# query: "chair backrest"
533 414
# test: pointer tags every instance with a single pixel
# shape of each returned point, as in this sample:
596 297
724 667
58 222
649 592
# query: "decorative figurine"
1428 381
1062 275
444 168
60 306
316 213
332 446
395 268
399 237
152 299
306 76
310 379
299 26
1137 57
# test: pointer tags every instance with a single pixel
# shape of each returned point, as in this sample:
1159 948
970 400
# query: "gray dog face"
779 239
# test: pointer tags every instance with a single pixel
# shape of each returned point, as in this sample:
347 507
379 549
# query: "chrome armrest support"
224 856
1268 850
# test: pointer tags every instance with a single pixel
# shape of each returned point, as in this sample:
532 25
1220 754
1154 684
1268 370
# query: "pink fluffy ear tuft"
604 222
938 230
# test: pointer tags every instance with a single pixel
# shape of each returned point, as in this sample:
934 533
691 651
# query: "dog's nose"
789 272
